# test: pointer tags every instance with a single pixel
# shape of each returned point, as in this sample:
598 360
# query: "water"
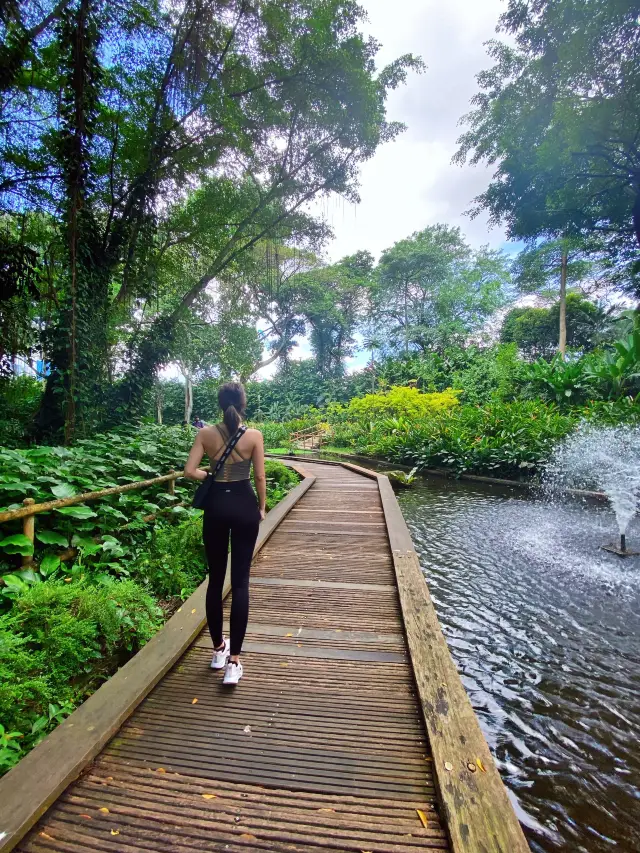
545 629
603 458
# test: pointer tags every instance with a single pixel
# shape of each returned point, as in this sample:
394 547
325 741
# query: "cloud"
411 183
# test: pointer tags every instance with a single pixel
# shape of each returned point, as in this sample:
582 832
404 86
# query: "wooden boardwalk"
322 746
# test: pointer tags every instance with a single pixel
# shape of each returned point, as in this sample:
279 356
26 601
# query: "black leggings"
232 508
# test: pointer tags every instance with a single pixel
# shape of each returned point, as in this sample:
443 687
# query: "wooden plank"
374 587
29 788
475 805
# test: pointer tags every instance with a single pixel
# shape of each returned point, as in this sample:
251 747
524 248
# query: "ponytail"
232 400
232 419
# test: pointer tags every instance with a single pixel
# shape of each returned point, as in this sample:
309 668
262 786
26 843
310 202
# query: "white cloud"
411 183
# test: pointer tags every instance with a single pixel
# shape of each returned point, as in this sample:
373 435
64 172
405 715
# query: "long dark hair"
233 401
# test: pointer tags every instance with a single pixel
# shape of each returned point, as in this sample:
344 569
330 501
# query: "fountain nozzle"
621 550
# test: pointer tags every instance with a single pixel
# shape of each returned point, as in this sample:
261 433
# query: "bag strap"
228 450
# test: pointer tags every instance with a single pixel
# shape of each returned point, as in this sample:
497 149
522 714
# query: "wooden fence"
30 508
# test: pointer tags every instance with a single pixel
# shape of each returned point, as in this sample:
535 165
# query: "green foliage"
19 400
58 643
397 401
535 330
500 439
562 381
432 290
561 131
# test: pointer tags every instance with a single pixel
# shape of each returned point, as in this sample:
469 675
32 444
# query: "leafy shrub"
564 381
58 643
398 401
19 400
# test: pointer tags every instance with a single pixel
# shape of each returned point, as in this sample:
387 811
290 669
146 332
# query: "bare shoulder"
254 434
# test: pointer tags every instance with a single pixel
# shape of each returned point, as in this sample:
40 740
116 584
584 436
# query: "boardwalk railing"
308 439
30 508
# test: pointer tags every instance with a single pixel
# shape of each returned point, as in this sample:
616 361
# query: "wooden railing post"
171 485
29 529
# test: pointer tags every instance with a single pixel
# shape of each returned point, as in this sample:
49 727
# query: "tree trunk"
373 373
188 399
406 324
159 403
562 338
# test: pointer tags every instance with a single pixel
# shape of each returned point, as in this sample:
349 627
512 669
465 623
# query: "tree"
333 299
213 343
550 268
535 329
178 121
557 117
432 291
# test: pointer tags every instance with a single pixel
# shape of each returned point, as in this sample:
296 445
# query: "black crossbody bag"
202 492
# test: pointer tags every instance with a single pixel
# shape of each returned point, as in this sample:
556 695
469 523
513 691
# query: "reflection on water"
545 630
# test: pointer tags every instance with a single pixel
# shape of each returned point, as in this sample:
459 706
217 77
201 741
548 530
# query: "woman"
232 509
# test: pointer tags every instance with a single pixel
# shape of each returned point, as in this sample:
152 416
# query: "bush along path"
66 626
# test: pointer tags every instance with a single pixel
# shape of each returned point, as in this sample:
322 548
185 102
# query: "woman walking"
231 510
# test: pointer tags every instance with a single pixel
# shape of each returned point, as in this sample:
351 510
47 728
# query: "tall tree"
557 117
432 291
256 106
550 268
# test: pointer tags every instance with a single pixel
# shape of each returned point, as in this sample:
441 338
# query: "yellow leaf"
115 832
423 818
448 765
87 816
109 779
209 796
480 765
66 580
44 835
248 836
284 664
194 610
194 701
104 810
288 635
326 810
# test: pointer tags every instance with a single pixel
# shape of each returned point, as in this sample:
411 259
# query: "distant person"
198 422
231 509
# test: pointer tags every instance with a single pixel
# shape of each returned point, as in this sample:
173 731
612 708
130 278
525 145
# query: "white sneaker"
233 673
220 657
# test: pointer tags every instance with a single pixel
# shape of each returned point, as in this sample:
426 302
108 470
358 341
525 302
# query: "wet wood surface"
320 747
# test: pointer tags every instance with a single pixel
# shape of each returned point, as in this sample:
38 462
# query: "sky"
410 183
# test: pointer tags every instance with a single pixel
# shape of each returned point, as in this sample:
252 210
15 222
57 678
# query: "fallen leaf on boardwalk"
284 663
115 832
88 816
104 810
248 836
288 635
326 810
109 779
194 701
423 818
480 765
161 770
44 835
194 610
209 796
247 730
448 765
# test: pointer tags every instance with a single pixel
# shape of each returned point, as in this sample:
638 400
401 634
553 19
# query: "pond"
545 629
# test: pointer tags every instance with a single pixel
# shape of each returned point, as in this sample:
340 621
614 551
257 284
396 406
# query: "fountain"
606 459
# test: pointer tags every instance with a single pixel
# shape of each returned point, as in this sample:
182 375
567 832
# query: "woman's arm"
196 453
259 474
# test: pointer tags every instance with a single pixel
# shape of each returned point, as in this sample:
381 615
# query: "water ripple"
545 630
